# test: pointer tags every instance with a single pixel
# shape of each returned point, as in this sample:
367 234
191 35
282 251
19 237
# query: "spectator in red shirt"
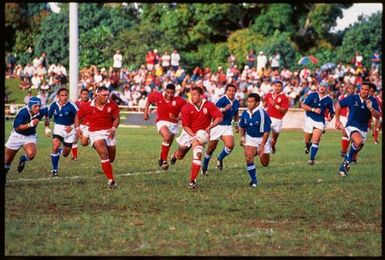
150 60
103 118
197 115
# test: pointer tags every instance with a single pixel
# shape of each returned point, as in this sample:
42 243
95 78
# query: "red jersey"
280 100
79 102
165 108
99 119
379 101
199 118
344 111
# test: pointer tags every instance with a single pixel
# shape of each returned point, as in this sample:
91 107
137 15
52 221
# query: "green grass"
297 210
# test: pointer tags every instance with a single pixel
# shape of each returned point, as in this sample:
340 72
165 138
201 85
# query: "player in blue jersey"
317 105
362 107
63 112
229 106
255 130
24 134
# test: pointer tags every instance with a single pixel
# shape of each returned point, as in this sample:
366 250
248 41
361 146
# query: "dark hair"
62 89
101 88
370 84
170 86
256 97
199 89
229 86
85 89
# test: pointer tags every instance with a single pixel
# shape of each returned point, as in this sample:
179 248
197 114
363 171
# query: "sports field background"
297 210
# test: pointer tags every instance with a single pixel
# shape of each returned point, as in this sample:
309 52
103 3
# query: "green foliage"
287 49
213 55
323 17
364 36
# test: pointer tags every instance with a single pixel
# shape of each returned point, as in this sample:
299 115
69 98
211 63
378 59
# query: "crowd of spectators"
131 87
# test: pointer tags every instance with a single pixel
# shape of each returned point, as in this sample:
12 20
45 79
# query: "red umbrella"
307 59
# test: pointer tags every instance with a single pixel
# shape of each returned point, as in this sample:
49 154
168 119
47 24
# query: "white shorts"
102 135
172 127
310 124
276 125
350 129
256 141
343 120
221 130
85 131
67 137
185 139
16 140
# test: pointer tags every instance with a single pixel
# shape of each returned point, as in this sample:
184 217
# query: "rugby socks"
55 160
107 169
196 162
352 152
313 151
206 161
252 172
75 150
375 134
6 168
226 151
344 144
60 150
24 158
164 151
308 145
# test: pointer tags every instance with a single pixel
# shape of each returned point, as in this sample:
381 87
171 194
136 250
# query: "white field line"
81 177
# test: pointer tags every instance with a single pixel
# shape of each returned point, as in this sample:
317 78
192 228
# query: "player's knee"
265 163
31 155
230 147
249 159
197 152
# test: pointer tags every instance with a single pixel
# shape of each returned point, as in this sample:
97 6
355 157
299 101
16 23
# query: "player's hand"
369 104
47 131
237 129
242 141
317 110
146 116
79 132
68 129
261 150
111 133
338 124
227 107
171 115
271 101
34 122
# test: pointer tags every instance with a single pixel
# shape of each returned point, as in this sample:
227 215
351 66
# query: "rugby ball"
202 136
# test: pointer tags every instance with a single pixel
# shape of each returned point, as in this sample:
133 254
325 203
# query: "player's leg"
8 158
111 152
375 130
308 129
179 154
316 138
30 150
197 150
102 150
250 152
55 155
208 153
357 142
67 147
274 138
344 142
165 147
74 149
228 141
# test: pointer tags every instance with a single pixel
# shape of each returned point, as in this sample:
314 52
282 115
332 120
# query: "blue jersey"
359 114
257 123
24 116
228 114
63 115
313 100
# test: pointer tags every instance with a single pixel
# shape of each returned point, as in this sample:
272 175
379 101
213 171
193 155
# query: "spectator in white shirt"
261 61
175 58
36 81
166 58
118 58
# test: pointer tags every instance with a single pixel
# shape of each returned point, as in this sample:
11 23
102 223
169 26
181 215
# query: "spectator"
36 81
250 58
43 60
29 71
304 73
36 62
231 60
27 97
274 61
25 83
376 61
150 60
175 58
118 59
11 63
166 58
261 61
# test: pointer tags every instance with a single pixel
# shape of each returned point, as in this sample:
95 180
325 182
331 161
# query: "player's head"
277 86
365 89
372 89
196 94
350 88
253 100
169 93
102 94
84 94
322 87
230 91
34 104
62 95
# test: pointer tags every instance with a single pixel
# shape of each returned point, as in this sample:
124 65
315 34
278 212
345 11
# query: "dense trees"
204 34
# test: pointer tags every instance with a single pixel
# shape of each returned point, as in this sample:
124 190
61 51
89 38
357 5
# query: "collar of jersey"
254 110
322 97
231 102
93 103
199 109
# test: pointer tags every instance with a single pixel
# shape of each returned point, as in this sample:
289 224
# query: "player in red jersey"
377 122
168 110
350 89
103 120
277 105
196 115
84 98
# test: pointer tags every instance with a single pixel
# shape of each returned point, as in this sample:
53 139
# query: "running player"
349 90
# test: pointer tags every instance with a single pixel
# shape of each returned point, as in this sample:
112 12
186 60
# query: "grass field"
298 209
